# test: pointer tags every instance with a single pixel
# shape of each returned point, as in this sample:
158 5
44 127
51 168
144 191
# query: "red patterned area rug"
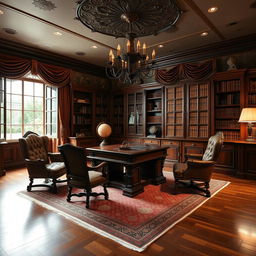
133 222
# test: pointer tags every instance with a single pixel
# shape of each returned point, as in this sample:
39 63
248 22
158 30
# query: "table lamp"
248 115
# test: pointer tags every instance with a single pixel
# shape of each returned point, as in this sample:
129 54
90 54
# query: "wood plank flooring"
224 225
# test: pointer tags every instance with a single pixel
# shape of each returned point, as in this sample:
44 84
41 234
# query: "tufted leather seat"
82 176
200 170
35 152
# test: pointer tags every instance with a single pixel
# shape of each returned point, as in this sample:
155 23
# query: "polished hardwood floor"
224 225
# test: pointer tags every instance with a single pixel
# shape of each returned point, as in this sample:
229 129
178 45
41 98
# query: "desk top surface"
132 149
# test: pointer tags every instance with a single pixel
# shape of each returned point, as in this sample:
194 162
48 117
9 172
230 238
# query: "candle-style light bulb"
144 49
110 55
139 64
122 63
147 58
118 50
153 54
128 46
138 46
125 64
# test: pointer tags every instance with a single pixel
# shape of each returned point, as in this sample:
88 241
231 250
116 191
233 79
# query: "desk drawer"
151 141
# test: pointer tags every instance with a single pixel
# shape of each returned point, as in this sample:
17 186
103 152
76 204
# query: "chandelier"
129 19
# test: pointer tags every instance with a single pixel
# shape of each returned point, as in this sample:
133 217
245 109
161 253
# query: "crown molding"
28 52
226 47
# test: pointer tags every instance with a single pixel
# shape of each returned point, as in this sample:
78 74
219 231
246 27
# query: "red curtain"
185 71
64 127
14 67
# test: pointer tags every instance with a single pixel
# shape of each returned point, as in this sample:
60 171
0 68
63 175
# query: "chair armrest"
100 167
200 163
55 157
194 156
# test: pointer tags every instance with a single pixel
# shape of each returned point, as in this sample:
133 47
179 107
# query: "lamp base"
250 138
104 142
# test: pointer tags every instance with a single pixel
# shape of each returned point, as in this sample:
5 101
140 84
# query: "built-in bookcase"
82 114
228 92
198 110
174 100
154 110
101 108
118 115
135 115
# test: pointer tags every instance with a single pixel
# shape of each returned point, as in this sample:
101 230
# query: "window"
2 109
30 106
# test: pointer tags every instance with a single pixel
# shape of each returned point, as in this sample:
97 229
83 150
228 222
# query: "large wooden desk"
132 168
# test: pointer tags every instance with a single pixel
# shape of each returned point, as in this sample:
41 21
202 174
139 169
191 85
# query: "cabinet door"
174 108
173 152
135 115
249 160
227 158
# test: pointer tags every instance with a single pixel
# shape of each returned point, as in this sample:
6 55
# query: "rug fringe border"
114 238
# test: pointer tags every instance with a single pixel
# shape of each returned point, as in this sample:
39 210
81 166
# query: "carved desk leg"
132 181
159 177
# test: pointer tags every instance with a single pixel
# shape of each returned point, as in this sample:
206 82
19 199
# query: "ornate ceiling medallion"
128 18
44 5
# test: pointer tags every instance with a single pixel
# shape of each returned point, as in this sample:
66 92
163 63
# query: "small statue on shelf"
231 62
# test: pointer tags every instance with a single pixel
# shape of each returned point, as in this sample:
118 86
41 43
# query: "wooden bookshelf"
198 110
154 112
174 117
82 114
101 108
135 115
118 115
228 102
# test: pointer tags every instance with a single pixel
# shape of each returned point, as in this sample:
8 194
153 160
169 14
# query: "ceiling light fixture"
204 34
94 46
1 12
131 20
160 46
57 33
213 9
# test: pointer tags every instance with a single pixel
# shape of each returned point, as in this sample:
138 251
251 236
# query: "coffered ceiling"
34 22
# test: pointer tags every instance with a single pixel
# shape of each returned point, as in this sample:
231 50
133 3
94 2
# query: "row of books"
172 93
175 131
228 99
226 124
252 86
171 106
84 109
252 99
231 135
227 113
202 119
195 131
118 110
101 111
80 120
198 90
154 94
101 101
203 104
228 86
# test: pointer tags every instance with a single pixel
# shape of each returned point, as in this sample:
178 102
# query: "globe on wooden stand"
104 131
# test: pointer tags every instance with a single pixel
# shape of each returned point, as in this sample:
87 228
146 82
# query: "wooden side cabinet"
173 152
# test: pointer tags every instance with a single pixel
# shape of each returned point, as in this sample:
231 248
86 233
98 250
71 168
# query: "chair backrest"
34 147
213 147
75 161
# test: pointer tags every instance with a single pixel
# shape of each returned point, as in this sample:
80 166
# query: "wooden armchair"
40 163
82 176
199 172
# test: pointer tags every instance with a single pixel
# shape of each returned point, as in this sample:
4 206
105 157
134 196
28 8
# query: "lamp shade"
248 115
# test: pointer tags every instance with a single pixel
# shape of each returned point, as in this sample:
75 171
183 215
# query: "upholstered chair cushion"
36 147
213 147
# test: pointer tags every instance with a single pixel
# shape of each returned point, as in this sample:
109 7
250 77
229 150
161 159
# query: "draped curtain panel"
185 71
64 99
14 67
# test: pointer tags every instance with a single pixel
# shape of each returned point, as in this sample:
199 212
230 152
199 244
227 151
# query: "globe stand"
104 142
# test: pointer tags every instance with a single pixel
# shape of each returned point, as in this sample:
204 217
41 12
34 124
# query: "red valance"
185 71
14 67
